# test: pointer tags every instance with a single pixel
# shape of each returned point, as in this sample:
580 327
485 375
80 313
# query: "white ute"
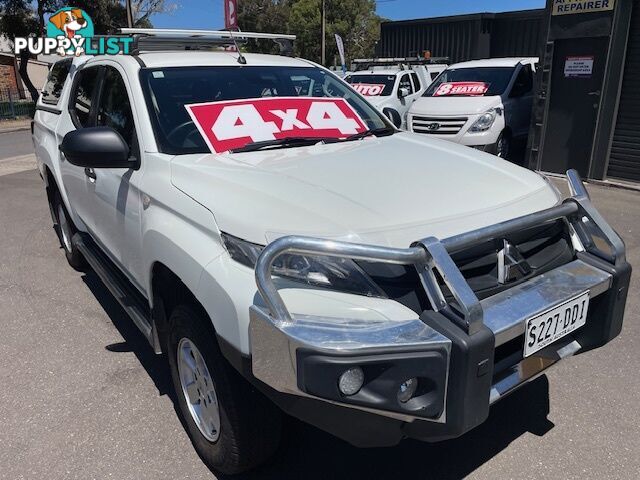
485 104
393 84
289 250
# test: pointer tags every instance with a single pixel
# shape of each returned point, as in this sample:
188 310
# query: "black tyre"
66 229
232 426
504 145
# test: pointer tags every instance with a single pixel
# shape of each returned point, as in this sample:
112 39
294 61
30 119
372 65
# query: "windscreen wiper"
282 142
377 132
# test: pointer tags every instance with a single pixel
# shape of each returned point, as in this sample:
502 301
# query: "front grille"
438 125
544 248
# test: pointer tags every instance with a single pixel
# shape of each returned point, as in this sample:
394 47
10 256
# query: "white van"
485 104
393 84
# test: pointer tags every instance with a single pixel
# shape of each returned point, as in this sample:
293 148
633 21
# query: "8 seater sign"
461 88
227 125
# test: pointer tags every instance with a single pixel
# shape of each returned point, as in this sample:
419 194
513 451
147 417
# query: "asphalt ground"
82 396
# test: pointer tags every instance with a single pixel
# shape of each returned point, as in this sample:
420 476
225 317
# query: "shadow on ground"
309 453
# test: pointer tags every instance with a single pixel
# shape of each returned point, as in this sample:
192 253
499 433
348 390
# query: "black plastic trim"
318 375
128 296
606 312
137 58
44 108
470 376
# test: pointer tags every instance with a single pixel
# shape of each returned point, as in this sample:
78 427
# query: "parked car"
393 84
289 250
485 104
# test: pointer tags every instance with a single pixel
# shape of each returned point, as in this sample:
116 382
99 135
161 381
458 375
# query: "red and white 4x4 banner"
233 124
461 88
368 89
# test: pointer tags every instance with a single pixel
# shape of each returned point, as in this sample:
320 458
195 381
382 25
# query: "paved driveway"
84 397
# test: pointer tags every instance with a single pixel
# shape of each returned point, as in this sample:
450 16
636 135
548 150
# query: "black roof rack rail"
366 63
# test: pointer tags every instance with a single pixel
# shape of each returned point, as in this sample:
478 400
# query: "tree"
109 16
22 18
264 16
17 19
355 21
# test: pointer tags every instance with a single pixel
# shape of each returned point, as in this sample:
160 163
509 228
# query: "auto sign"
368 89
233 124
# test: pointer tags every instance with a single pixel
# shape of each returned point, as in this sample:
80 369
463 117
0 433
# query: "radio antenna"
241 59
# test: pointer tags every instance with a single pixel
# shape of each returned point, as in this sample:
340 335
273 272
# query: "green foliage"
17 19
355 21
110 15
20 18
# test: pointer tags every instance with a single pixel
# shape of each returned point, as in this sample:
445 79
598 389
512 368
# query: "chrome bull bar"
278 338
431 255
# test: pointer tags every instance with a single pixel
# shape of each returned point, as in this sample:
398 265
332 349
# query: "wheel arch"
51 187
168 291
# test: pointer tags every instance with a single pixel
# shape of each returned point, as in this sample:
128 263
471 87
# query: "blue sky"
208 14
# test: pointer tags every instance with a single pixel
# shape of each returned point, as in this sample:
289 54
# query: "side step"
127 295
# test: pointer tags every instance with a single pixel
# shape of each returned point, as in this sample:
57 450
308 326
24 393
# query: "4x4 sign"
232 124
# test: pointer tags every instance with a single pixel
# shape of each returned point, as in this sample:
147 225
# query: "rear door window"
55 82
84 95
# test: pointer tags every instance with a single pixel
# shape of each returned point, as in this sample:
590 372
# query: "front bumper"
451 349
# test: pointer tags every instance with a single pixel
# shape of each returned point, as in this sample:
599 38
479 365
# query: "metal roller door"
624 160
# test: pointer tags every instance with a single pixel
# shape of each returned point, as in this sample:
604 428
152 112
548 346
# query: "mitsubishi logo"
511 264
433 126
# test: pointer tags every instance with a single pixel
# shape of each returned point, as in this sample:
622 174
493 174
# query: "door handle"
89 172
595 94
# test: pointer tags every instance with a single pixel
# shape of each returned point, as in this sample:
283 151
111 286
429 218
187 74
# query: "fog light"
351 381
407 390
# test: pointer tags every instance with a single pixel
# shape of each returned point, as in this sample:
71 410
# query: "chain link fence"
15 104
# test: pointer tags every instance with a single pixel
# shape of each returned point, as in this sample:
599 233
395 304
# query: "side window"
405 82
416 81
523 83
83 96
115 109
55 82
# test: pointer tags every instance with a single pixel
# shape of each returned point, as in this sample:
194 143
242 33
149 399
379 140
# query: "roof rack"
366 63
162 39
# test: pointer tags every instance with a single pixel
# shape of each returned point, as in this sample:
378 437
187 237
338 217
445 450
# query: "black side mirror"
96 147
394 116
403 92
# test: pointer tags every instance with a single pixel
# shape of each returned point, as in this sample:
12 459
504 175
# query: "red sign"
233 124
230 14
461 88
368 89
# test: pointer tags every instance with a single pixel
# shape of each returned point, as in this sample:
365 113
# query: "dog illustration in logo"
70 22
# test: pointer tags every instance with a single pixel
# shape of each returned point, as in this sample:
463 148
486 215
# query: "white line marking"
20 163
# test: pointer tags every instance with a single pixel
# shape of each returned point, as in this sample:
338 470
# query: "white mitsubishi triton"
289 250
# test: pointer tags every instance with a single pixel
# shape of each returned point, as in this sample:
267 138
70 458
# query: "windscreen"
372 85
169 90
485 81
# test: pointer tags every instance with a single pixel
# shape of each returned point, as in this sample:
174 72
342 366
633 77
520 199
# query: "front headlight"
485 121
335 273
